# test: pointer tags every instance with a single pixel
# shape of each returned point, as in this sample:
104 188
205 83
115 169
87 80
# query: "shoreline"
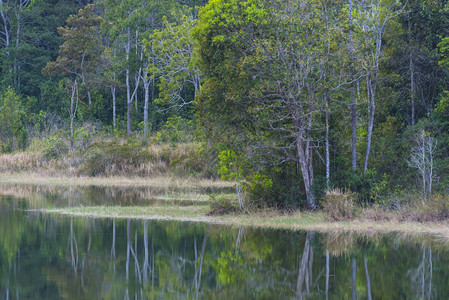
269 219
315 221
116 181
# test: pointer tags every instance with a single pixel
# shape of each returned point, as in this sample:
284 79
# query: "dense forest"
286 98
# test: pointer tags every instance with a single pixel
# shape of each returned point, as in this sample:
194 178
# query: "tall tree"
80 56
271 69
372 19
175 62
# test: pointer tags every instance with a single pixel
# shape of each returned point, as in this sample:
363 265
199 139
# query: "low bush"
114 158
54 146
339 205
188 159
221 205
436 208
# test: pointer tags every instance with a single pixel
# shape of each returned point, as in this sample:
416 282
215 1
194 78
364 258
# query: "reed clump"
20 162
339 205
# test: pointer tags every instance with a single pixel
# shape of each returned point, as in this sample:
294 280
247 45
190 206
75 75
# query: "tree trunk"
200 268
368 281
354 279
114 110
305 170
412 72
129 100
304 266
7 38
371 83
424 175
146 265
128 248
146 86
353 98
73 247
328 163
83 77
73 109
327 274
113 240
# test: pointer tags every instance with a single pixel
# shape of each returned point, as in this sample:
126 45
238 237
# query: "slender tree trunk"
128 248
328 162
368 280
431 271
73 247
200 268
372 75
83 76
7 38
113 240
146 86
129 99
72 113
424 175
146 265
431 150
73 109
114 105
327 274
16 64
412 71
353 87
354 279
371 82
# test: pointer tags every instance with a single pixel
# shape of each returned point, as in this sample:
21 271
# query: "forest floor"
271 219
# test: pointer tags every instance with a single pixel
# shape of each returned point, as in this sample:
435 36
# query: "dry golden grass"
113 181
180 160
339 205
23 161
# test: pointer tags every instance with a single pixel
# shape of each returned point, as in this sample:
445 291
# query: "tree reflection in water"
45 257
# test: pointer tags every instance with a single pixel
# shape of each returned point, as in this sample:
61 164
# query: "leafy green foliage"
13 135
176 130
54 146
232 166
81 53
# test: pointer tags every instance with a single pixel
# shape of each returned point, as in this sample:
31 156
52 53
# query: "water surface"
53 257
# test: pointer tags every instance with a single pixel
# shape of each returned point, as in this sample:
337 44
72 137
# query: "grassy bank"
105 157
317 221
36 178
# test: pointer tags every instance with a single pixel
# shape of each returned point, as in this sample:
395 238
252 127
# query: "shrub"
435 208
176 130
188 159
54 146
221 205
339 205
13 135
113 158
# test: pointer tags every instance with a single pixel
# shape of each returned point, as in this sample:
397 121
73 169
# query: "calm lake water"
52 257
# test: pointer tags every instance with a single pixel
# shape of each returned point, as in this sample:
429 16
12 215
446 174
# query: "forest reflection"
45 257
